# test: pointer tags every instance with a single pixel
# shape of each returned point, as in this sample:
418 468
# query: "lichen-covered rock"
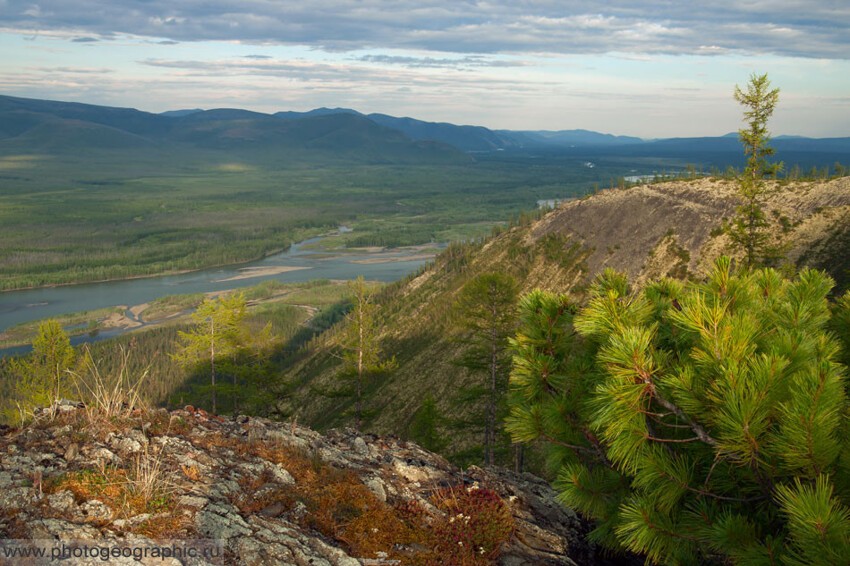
254 487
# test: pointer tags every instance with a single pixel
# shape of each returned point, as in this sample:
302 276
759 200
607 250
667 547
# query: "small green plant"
425 426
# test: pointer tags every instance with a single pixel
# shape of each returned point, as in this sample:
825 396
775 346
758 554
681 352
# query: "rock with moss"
257 491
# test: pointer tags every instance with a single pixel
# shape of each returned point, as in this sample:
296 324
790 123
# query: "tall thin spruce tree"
749 229
696 424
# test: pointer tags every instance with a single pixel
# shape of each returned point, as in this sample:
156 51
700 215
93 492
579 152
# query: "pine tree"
219 332
699 423
485 310
749 227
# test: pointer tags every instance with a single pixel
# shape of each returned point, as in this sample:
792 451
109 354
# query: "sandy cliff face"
651 230
254 491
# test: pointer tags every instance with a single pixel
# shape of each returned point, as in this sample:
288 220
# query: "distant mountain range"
28 125
43 125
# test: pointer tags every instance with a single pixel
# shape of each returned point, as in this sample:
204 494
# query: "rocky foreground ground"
252 491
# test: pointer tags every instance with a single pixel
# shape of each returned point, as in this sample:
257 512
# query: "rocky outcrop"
254 491
626 229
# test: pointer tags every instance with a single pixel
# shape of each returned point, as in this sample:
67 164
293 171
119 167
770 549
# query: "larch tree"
219 332
701 423
362 356
749 229
42 377
486 312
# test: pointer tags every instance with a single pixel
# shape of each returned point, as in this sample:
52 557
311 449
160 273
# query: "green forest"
66 219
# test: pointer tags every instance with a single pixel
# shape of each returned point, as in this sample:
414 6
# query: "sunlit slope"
670 229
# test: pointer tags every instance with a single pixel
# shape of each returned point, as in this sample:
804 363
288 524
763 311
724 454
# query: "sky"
648 68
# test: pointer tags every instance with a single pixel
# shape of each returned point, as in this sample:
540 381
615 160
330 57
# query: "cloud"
75 70
803 28
329 74
434 63
85 40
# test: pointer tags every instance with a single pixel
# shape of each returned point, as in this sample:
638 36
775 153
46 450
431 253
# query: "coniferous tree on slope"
42 377
362 356
219 332
705 423
485 312
749 229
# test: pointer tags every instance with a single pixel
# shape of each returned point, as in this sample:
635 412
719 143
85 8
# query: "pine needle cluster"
698 423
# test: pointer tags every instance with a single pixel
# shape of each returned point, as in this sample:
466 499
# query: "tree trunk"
212 362
491 406
235 393
358 420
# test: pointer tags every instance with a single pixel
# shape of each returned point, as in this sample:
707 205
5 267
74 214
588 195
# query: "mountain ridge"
19 114
29 125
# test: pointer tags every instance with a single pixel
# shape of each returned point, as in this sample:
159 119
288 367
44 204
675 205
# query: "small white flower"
480 550
460 543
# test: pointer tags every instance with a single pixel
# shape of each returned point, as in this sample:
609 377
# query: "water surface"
17 307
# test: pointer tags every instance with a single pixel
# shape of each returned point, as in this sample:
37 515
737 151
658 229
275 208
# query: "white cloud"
791 27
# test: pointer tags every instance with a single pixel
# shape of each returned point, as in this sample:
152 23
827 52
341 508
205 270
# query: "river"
297 264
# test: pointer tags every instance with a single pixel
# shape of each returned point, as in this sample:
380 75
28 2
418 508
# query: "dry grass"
148 482
106 485
109 397
192 473
163 423
143 487
143 484
174 525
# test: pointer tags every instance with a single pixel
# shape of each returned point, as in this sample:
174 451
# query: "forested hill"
61 127
669 229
